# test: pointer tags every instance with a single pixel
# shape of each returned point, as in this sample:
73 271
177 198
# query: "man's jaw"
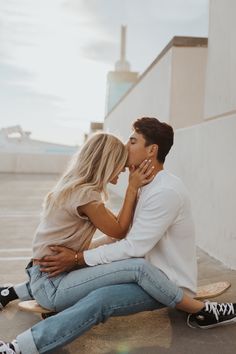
130 163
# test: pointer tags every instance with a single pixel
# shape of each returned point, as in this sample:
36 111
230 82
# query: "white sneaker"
5 349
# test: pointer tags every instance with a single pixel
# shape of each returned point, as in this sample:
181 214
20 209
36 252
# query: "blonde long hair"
91 168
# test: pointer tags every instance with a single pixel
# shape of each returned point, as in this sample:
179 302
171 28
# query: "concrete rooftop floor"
163 331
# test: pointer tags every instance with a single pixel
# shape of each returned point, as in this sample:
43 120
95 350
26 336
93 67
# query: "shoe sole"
224 323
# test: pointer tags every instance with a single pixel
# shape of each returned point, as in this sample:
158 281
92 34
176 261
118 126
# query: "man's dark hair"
156 132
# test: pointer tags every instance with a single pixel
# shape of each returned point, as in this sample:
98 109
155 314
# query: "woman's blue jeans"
65 290
91 295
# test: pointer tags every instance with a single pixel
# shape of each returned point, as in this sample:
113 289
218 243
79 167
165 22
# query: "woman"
63 221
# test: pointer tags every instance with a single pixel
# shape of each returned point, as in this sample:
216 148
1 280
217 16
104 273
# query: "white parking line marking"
15 258
19 215
15 250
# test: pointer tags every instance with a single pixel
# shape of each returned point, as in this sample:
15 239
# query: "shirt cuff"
91 257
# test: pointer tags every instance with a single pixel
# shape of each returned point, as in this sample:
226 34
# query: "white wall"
188 83
150 97
33 163
204 157
220 95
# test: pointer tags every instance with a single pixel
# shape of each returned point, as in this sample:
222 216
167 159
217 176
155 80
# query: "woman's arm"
105 220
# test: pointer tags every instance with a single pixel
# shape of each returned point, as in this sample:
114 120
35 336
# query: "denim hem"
22 291
177 299
26 343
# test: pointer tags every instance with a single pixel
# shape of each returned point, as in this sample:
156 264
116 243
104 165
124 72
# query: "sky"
55 56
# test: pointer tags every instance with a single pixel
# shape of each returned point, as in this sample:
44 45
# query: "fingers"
48 264
145 168
143 174
48 269
57 249
54 274
48 259
148 179
144 165
149 171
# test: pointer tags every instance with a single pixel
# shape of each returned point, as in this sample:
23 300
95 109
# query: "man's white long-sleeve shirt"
162 232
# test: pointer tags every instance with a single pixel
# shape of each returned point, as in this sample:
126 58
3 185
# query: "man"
162 232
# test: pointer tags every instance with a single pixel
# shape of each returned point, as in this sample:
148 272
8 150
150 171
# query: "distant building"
94 128
21 154
120 80
15 140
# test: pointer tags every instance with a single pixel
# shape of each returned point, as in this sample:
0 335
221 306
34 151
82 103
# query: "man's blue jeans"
98 306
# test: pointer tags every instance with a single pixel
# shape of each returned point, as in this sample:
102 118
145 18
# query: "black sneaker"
7 294
4 296
212 315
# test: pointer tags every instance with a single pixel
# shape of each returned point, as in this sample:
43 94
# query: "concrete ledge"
175 42
33 163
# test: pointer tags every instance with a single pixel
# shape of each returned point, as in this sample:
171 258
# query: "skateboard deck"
212 290
203 292
32 306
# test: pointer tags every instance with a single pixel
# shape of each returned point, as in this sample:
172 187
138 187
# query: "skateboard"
33 306
212 290
203 292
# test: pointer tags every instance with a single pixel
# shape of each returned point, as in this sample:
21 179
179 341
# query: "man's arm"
100 241
158 212
154 218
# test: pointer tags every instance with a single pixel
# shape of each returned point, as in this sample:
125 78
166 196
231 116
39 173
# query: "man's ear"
152 150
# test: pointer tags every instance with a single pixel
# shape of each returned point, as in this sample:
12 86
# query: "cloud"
112 12
151 23
104 50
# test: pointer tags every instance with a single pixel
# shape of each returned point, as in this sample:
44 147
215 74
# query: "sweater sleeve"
158 213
